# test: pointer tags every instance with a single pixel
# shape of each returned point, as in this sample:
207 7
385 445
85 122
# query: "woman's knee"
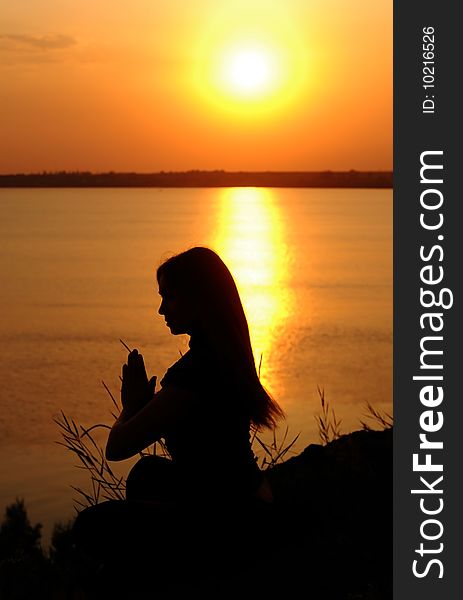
151 478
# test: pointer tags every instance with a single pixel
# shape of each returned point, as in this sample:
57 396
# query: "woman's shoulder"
195 370
179 371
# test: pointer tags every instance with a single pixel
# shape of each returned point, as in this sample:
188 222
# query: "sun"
248 71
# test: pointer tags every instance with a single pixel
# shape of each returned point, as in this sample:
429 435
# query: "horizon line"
195 170
198 178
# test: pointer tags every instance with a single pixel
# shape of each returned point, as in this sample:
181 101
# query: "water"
314 269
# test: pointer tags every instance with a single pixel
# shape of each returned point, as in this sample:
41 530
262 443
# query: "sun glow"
249 71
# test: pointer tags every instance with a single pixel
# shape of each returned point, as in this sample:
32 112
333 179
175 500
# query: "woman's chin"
174 330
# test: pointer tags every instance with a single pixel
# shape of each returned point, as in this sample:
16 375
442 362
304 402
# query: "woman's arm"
132 433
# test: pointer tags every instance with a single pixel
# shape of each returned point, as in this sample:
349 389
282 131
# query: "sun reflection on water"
250 238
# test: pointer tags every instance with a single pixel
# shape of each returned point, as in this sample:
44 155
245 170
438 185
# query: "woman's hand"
136 390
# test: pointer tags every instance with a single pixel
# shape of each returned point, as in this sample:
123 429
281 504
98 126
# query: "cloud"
36 42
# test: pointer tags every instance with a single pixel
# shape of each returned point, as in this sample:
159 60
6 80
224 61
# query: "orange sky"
145 85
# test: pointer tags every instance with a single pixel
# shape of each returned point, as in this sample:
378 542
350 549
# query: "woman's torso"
211 441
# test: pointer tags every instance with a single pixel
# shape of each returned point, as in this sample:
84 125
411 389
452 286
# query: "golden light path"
251 239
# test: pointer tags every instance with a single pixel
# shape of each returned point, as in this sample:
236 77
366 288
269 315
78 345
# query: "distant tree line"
196 178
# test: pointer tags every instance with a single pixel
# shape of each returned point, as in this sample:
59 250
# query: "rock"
334 506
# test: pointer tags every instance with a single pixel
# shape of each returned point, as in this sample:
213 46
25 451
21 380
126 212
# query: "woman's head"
198 293
200 297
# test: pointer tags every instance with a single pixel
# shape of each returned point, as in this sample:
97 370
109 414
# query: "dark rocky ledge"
335 502
328 535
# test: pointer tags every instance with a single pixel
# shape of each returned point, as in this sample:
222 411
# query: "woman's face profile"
175 308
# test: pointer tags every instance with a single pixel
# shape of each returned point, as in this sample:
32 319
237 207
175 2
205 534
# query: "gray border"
415 132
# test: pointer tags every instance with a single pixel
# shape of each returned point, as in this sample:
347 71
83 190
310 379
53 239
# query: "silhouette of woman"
210 397
208 402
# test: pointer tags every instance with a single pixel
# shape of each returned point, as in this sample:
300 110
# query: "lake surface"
313 266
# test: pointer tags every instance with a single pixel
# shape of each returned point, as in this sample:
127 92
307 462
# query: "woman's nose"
161 308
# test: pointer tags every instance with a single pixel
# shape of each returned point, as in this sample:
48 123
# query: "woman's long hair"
203 279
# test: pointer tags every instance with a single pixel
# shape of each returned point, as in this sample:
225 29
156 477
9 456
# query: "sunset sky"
153 85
